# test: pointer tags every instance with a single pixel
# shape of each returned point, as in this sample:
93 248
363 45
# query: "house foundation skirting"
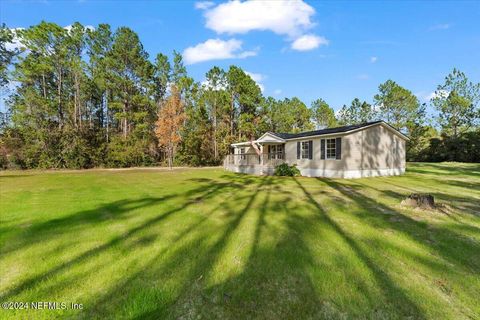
256 170
312 172
351 174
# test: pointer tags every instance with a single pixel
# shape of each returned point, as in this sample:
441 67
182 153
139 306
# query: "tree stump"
418 200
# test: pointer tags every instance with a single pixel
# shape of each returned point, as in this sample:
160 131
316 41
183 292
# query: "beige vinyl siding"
373 148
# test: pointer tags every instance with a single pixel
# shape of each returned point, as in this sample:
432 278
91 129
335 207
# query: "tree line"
82 97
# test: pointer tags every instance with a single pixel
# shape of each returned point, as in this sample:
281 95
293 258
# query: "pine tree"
457 102
396 104
322 114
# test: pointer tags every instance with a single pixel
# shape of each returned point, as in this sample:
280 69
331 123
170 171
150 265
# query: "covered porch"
260 156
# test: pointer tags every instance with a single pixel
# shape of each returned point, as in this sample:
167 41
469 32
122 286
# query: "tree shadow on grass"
122 292
449 245
193 296
190 198
463 202
394 294
194 273
41 232
187 251
269 282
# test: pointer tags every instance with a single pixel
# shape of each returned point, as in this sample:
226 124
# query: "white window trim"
307 148
334 152
275 151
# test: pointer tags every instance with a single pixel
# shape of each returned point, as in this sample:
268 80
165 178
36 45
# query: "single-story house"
354 151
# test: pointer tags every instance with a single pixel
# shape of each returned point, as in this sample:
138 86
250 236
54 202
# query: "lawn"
205 243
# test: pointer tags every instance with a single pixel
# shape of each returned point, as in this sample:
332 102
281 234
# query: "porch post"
261 155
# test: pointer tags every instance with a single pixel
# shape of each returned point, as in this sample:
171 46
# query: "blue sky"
327 49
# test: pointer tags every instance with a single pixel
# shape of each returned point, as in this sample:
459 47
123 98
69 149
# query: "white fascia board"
401 135
241 144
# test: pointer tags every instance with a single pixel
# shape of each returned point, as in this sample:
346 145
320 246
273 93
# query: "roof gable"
269 137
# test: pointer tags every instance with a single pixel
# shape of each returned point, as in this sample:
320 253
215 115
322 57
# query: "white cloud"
438 94
15 44
203 5
258 78
442 26
246 54
220 86
277 92
290 18
308 42
216 49
427 96
373 59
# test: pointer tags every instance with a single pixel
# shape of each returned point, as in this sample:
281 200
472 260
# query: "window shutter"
322 149
338 148
298 150
310 149
268 151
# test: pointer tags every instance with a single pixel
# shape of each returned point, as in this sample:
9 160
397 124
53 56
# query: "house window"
242 154
330 150
276 152
305 150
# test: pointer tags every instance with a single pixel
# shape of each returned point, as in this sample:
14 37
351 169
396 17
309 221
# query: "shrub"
285 170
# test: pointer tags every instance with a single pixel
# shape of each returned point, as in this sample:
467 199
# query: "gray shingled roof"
343 129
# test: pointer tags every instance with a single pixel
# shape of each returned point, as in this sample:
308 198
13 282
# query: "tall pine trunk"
59 92
44 85
232 108
215 146
78 109
107 114
125 123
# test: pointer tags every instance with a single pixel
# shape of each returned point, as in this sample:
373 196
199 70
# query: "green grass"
204 243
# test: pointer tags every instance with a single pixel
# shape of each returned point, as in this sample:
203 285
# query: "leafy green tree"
6 58
300 115
216 102
270 110
396 105
129 80
245 96
162 77
99 43
90 97
357 112
420 133
196 147
75 44
322 115
288 115
457 101
6 55
179 71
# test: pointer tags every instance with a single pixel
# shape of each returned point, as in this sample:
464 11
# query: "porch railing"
248 159
273 159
